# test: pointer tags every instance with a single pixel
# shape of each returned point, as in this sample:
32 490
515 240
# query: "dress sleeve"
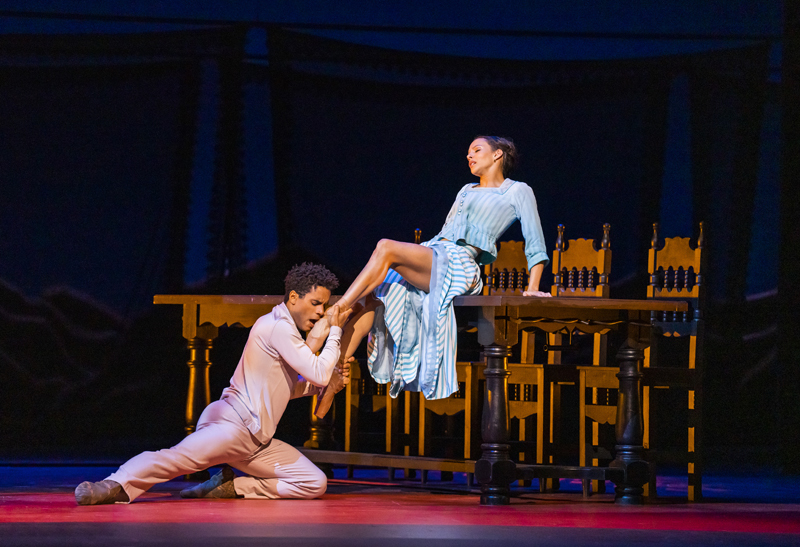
316 369
524 204
453 209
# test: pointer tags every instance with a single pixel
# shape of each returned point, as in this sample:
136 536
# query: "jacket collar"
282 312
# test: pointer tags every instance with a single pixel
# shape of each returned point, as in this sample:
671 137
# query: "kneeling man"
276 365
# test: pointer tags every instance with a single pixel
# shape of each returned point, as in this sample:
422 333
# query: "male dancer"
276 365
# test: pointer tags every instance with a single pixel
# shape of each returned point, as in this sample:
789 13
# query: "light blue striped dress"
412 343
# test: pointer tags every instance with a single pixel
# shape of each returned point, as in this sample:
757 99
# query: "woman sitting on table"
409 288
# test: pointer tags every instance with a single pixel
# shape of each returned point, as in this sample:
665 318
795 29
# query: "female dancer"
410 287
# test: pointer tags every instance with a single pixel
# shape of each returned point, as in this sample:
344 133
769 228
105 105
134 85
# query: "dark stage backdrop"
374 160
379 138
100 167
95 165
86 162
373 142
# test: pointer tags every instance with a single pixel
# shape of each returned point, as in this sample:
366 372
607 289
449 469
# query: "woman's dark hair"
510 155
303 278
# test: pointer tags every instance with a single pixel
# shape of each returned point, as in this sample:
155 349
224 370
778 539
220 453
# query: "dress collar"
502 189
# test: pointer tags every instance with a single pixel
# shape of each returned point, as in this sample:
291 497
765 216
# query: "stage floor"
37 507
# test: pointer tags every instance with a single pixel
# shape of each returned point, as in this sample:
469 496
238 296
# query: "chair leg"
650 409
449 452
695 447
582 419
410 406
523 455
694 469
423 427
650 491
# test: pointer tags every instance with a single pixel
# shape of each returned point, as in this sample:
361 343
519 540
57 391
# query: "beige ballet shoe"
219 486
99 493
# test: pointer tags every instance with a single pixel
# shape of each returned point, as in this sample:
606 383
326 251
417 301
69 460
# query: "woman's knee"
384 249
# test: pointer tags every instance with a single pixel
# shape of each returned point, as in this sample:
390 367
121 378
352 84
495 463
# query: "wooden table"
499 320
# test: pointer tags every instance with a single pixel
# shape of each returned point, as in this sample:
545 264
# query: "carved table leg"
630 429
495 470
199 395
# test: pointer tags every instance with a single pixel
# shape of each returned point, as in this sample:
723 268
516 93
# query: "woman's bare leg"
358 326
412 261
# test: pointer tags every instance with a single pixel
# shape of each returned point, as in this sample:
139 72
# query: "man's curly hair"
303 278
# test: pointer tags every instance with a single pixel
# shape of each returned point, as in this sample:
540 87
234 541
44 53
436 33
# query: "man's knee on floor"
317 486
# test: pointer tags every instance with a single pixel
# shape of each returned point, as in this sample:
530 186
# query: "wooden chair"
465 400
580 269
600 408
401 415
400 436
676 271
361 385
506 275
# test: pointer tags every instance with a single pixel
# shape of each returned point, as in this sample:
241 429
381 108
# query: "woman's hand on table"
541 294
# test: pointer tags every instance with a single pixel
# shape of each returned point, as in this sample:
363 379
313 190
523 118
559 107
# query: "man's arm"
317 369
340 378
314 340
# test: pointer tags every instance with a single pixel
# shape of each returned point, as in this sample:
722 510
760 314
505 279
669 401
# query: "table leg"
495 470
199 395
630 429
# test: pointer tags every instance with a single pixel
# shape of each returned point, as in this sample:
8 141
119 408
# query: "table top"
273 300
648 304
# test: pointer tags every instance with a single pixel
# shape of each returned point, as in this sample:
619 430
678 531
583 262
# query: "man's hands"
317 335
319 332
339 379
320 329
343 369
335 317
341 375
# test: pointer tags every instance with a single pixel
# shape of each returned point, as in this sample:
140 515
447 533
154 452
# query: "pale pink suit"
276 366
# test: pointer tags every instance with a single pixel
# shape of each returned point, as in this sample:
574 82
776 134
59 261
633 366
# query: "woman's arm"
533 282
535 252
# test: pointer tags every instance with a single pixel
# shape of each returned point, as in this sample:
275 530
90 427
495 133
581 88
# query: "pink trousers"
274 470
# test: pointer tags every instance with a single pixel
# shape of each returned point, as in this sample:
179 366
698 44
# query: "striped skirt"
412 344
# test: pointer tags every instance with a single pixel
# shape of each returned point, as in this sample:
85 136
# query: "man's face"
308 310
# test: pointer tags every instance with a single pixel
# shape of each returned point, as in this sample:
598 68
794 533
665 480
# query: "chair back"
508 274
580 268
676 270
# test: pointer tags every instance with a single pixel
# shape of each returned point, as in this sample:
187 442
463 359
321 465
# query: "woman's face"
481 157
